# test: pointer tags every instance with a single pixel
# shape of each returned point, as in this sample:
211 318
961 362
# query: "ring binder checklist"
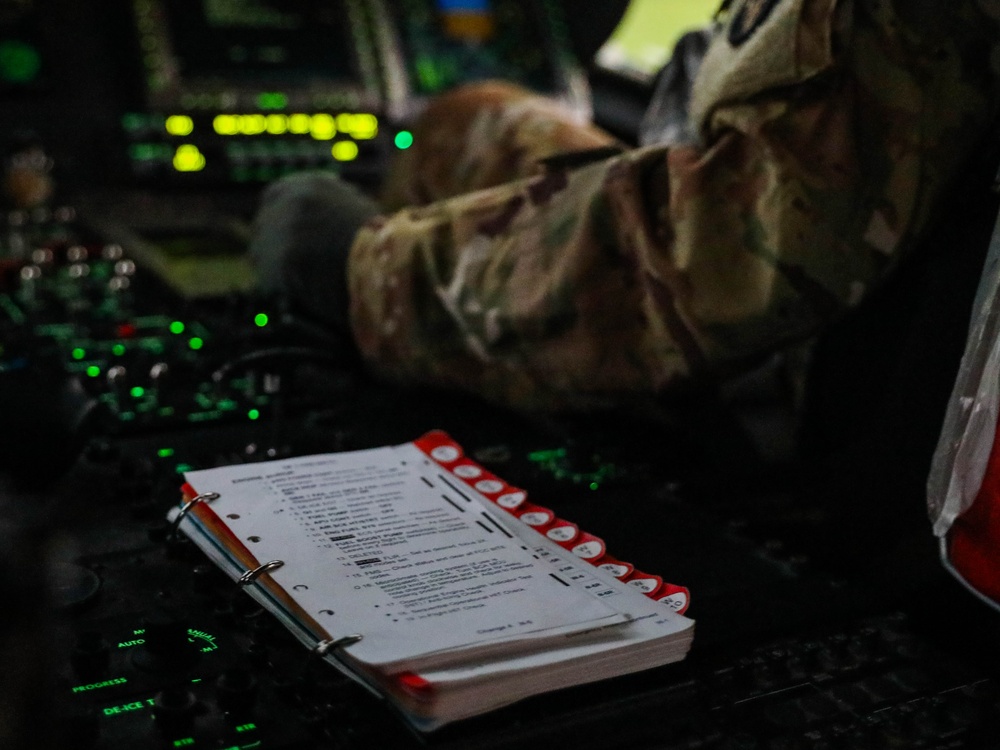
469 597
252 575
205 497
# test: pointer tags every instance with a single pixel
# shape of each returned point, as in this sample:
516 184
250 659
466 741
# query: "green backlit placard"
205 642
272 100
127 707
99 685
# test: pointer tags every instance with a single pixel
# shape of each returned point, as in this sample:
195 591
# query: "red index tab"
490 486
467 470
512 499
535 515
678 598
617 568
646 583
563 533
440 447
588 547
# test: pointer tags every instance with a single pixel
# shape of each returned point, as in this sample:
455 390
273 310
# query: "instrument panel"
238 92
134 347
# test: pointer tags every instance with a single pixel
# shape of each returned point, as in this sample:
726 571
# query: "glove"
302 235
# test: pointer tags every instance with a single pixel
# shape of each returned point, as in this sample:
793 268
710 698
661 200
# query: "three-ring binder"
438 666
204 497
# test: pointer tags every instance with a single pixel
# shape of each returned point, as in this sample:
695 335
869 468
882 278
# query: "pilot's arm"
827 131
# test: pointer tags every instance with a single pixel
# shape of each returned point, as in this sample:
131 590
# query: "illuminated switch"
117 380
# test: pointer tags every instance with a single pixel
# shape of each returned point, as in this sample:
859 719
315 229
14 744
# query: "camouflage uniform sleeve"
482 135
828 129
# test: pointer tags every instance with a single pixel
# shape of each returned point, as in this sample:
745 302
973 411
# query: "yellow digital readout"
277 124
179 125
188 158
345 151
322 127
226 124
361 126
298 124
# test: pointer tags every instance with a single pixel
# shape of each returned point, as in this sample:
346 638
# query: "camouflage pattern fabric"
828 129
484 135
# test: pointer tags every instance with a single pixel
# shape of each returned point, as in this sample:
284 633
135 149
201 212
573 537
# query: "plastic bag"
963 481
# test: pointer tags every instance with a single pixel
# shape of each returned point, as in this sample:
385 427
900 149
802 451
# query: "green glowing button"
253 414
144 151
594 485
165 452
93 371
261 320
196 343
79 353
118 350
177 327
19 61
272 100
138 392
429 74
404 139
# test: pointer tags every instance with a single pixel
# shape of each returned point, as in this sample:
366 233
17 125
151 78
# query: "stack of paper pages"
430 580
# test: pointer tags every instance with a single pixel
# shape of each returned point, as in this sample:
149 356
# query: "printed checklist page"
377 543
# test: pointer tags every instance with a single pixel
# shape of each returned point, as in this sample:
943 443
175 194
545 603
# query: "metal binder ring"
204 497
324 647
252 575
